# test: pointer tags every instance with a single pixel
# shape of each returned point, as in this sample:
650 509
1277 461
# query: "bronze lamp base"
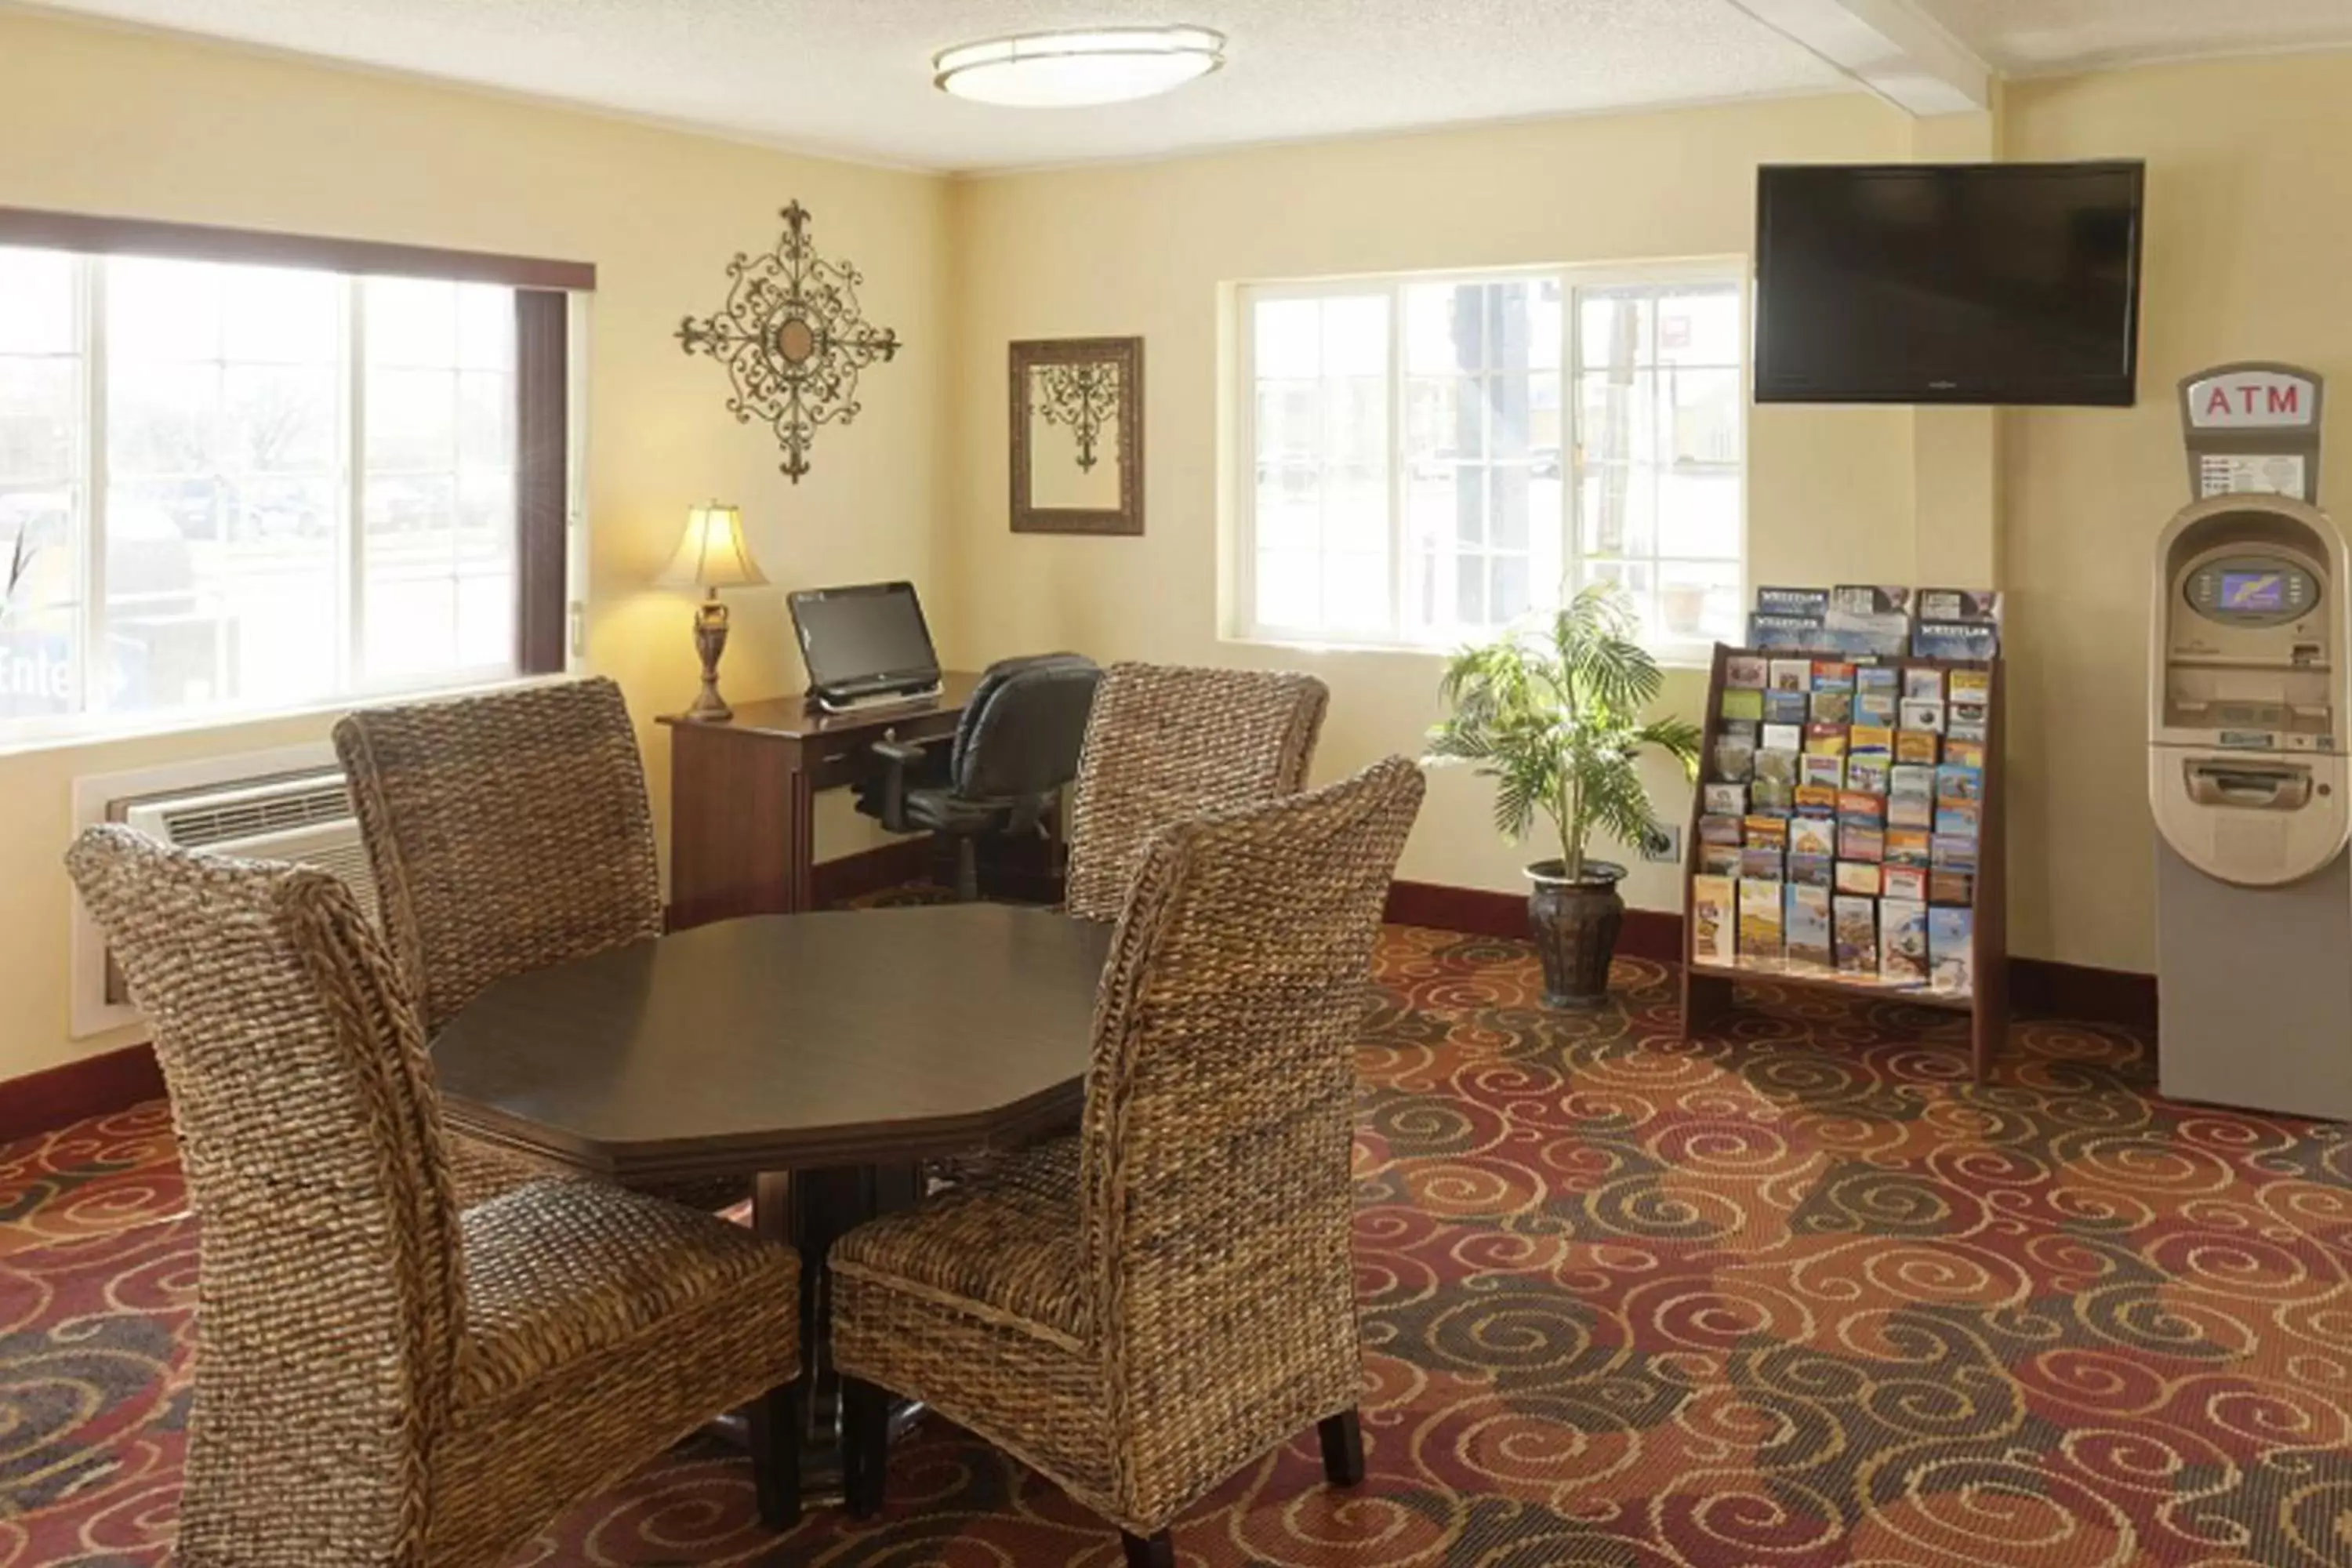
710 641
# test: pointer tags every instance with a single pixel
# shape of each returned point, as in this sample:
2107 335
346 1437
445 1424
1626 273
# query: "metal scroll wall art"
1083 396
792 339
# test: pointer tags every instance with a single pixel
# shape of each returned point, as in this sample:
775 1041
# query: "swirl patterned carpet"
1802 1295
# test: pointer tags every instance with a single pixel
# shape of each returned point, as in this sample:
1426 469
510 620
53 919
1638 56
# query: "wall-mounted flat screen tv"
1988 283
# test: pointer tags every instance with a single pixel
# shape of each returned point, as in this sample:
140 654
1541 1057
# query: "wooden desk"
742 795
823 1055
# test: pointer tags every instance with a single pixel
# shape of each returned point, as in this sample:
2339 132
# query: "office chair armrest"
898 756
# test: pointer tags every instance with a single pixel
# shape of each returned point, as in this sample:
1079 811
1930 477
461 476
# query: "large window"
230 488
1431 458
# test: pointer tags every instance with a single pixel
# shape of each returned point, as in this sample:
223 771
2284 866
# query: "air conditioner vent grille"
223 819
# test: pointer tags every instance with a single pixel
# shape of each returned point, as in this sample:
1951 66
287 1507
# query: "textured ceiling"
2023 36
854 76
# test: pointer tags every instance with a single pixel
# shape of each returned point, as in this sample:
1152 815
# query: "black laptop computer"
864 646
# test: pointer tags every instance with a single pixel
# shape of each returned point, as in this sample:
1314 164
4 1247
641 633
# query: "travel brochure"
1871 619
1841 838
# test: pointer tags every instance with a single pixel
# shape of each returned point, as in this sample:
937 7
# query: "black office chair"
1014 749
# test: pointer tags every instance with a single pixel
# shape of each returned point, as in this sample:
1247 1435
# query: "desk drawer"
834 761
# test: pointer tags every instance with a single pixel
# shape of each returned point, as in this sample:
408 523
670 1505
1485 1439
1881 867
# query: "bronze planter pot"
1575 927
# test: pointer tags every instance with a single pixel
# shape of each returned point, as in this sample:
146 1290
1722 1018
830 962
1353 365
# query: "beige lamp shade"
711 552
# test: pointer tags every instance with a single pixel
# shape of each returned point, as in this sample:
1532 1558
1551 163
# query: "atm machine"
2249 698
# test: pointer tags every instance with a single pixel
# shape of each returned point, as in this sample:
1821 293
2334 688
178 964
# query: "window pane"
1614 328
1700 328
1289 504
1356 336
1636 577
1511 414
278 420
1523 506
162 310
1514 333
244 514
40 495
1702 411
411 421
1619 415
1508 597
274 316
411 321
1698 601
437 495
37 314
224 486
1698 514
486 410
1356 508
1289 420
1448 418
1356 421
161 417
1289 590
1446 328
40 416
1320 389
1618 506
486 327
1355 592
1287 338
1495 442
1469 592
40 619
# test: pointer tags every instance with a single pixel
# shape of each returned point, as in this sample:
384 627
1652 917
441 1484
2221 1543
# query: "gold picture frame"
1078 435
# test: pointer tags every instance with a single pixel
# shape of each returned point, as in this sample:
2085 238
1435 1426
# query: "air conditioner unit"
302 816
307 820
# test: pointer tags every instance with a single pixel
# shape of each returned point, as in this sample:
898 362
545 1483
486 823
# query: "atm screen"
2254 593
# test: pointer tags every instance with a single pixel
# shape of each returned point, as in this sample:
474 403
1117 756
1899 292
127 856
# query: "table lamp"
711 555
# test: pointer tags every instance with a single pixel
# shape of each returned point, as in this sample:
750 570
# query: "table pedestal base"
809 1211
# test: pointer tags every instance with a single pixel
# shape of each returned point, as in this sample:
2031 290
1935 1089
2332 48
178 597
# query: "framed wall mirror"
1078 435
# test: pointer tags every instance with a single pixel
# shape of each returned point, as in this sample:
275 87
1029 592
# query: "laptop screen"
871 636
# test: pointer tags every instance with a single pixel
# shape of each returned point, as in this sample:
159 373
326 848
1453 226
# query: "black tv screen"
1948 283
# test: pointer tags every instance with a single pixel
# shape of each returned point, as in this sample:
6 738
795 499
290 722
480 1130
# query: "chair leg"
1343 1449
864 1446
967 886
774 1419
1160 1551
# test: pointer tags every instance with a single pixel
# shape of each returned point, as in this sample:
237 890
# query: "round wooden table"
823 1056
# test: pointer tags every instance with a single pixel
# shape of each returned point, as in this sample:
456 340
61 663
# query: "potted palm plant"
1554 715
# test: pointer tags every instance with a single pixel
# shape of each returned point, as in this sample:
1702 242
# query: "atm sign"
2253 400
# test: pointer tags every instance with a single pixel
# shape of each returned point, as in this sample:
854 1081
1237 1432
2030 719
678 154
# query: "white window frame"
89 723
1245 625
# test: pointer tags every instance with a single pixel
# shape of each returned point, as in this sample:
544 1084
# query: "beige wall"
98 120
2248 256
1145 249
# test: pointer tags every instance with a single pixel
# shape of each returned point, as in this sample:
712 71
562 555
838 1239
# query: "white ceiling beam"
1889 46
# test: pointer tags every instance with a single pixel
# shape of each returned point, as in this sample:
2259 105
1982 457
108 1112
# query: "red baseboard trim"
94 1086
2051 989
2036 985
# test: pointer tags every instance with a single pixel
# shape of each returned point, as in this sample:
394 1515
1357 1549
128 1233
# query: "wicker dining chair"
1144 1308
1166 742
379 1379
507 832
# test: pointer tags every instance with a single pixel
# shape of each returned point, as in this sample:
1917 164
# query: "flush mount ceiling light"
1057 70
